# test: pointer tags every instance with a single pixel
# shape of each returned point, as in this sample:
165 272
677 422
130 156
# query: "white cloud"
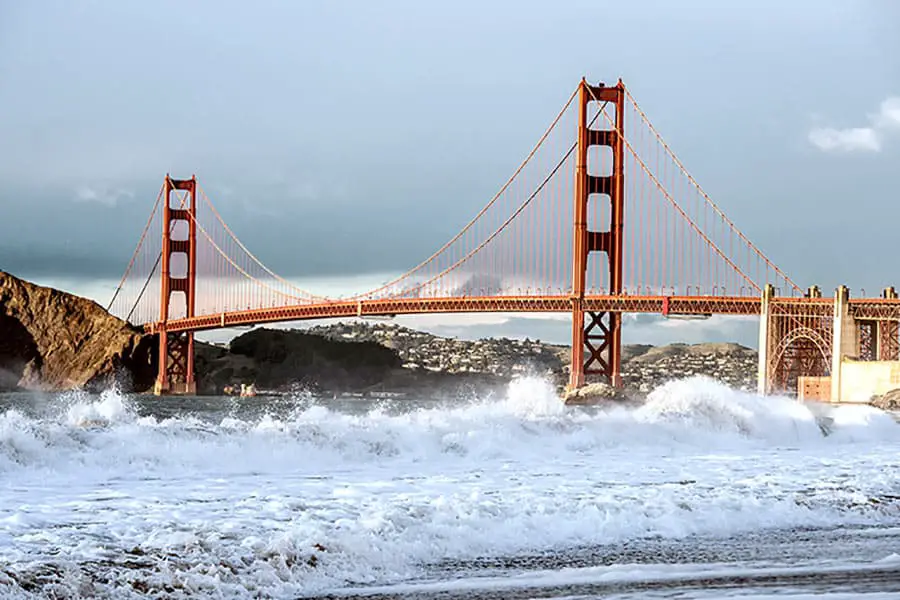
829 139
103 196
889 115
860 139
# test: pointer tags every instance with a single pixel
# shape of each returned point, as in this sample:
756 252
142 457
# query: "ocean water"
702 492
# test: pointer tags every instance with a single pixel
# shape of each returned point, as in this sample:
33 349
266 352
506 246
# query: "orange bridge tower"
596 336
179 250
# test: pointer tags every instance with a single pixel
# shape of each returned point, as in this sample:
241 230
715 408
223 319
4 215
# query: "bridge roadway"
860 308
666 305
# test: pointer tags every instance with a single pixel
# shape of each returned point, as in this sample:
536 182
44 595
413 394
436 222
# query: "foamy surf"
299 498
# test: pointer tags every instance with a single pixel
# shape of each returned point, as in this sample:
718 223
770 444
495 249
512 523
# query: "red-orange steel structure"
800 339
601 336
687 305
176 349
530 249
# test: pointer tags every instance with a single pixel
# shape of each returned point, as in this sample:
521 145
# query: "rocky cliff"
51 340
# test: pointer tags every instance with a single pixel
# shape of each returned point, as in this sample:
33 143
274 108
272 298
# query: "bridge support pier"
763 379
598 333
845 338
176 350
176 364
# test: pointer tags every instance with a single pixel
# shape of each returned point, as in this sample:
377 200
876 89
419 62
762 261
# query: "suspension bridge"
600 218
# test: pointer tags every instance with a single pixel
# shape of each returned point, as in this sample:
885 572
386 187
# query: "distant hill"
643 366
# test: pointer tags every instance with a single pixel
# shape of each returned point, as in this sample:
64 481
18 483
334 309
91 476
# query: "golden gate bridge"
601 218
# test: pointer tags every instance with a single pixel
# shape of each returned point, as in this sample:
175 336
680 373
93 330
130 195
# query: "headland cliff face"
51 340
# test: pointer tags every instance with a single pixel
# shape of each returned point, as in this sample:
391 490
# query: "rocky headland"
51 340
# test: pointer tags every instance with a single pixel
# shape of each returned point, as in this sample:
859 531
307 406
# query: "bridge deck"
672 305
861 308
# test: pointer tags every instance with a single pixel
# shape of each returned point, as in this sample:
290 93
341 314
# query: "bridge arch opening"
803 352
600 161
178 265
179 230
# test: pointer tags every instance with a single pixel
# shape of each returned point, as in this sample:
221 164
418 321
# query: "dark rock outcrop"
277 358
285 360
593 393
51 340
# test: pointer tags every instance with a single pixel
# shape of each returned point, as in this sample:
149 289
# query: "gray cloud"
358 138
58 261
106 197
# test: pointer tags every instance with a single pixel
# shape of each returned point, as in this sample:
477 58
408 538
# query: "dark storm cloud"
359 138
57 262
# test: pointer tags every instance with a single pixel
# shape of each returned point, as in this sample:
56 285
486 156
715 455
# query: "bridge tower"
176 350
598 333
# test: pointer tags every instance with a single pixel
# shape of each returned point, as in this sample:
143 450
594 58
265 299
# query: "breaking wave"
529 420
313 497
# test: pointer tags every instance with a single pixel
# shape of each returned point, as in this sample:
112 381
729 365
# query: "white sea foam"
238 506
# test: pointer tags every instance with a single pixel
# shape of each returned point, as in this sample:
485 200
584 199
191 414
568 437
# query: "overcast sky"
346 138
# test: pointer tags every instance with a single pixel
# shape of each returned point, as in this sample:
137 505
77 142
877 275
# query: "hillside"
499 359
286 360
